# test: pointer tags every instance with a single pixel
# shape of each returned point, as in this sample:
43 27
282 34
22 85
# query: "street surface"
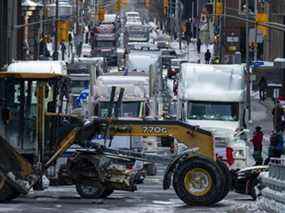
150 198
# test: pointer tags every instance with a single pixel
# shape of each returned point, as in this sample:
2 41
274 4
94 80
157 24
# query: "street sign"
257 64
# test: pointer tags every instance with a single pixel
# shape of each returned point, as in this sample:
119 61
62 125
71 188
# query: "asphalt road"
150 198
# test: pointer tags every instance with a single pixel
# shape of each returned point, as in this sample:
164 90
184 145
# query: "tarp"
203 82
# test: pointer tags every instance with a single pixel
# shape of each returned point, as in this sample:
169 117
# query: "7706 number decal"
154 130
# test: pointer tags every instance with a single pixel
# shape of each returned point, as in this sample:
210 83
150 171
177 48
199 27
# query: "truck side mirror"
6 115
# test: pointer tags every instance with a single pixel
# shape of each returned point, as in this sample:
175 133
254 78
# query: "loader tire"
90 189
197 181
7 193
107 192
227 179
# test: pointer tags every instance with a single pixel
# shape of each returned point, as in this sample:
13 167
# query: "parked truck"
137 33
213 97
105 42
135 105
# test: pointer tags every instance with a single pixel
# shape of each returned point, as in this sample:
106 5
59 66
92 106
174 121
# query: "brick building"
274 45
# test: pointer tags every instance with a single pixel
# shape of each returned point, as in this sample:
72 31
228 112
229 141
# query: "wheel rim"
89 189
198 182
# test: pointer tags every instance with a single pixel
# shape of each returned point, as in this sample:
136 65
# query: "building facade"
9 34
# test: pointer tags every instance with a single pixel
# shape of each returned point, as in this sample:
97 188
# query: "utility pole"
77 10
55 53
248 95
178 17
256 31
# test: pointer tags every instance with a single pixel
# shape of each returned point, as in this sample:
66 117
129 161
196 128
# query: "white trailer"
213 97
134 103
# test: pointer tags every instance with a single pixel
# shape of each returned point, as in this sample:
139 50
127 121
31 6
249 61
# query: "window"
129 109
105 44
221 111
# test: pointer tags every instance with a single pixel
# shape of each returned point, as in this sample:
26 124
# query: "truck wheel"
252 191
151 169
7 193
197 182
227 178
90 190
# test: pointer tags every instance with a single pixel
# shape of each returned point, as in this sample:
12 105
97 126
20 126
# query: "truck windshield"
128 109
105 44
221 111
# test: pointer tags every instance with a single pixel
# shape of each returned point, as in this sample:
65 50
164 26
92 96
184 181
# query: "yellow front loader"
36 132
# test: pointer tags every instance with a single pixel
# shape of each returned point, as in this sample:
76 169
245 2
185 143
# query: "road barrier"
273 195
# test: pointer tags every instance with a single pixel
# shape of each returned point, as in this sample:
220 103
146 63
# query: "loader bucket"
14 170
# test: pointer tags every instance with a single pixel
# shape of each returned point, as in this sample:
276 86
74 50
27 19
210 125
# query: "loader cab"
32 93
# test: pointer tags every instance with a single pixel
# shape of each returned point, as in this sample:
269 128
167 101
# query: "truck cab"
133 106
212 97
105 43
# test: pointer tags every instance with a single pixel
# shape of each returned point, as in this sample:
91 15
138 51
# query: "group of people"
276 145
72 41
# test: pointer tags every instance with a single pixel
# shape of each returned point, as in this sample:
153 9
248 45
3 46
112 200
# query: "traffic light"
147 3
63 28
262 18
118 5
209 7
219 10
125 2
101 13
165 7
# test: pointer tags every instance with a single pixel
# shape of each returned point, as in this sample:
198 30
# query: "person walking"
257 145
207 56
63 50
42 46
70 45
199 45
278 116
275 148
262 85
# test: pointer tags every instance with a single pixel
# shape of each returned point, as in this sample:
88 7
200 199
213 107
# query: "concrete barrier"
273 194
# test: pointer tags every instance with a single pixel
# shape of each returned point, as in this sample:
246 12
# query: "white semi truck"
135 105
213 98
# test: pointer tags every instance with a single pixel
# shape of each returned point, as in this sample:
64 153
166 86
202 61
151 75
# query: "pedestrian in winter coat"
257 145
70 45
63 49
262 84
207 56
278 115
275 149
198 45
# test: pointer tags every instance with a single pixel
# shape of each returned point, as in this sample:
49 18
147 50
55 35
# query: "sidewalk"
86 51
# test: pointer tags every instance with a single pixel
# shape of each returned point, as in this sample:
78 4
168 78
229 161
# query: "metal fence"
273 195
